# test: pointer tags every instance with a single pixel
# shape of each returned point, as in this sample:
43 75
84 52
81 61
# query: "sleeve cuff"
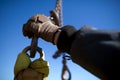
66 37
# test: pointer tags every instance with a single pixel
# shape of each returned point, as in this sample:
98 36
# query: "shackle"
40 51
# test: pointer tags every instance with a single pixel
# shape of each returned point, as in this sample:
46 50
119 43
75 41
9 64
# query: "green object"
22 62
41 66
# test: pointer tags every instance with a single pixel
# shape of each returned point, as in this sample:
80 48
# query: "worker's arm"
97 51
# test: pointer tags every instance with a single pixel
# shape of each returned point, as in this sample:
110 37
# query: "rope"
57 19
58 9
65 68
56 14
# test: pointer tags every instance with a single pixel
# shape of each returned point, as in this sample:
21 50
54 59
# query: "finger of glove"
27 31
39 18
31 28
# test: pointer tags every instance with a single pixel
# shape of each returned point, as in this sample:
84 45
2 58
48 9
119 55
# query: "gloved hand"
41 26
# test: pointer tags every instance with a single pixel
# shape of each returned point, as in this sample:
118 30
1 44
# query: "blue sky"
101 14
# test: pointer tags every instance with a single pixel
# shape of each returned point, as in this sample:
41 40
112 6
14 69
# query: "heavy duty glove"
42 27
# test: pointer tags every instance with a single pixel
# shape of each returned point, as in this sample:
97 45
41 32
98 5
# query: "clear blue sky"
101 14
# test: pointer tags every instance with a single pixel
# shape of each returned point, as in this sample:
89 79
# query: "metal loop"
40 51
